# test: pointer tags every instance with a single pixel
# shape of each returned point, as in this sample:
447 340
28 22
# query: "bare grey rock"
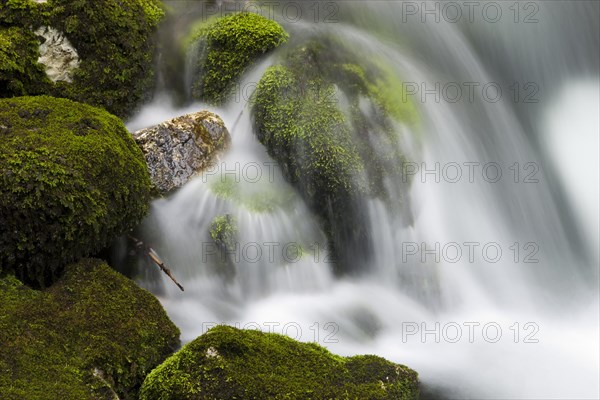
57 54
178 149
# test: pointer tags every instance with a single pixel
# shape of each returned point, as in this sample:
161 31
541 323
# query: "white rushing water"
492 291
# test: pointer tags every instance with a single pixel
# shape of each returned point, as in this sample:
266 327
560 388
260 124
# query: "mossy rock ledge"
99 52
224 48
71 180
229 363
93 335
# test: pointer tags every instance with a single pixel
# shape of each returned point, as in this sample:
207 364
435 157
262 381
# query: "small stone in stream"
179 149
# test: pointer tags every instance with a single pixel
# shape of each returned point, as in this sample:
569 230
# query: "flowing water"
492 290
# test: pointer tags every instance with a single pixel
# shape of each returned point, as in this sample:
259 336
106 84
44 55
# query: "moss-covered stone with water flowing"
307 132
71 180
328 116
226 47
229 363
92 335
113 38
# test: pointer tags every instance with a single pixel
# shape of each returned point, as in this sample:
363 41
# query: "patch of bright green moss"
71 180
390 92
229 363
298 119
229 45
92 334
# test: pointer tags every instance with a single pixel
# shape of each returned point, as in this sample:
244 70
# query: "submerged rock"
327 115
223 230
224 233
93 335
178 149
229 363
57 54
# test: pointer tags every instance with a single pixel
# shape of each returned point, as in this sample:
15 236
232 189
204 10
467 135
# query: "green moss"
227 47
231 363
223 231
115 43
21 12
225 188
198 31
19 70
262 197
328 116
71 180
390 92
371 371
302 127
298 120
92 320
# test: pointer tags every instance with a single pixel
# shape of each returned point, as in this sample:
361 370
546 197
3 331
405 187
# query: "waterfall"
492 290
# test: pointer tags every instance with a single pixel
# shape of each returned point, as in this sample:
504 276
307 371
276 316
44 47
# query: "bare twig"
155 258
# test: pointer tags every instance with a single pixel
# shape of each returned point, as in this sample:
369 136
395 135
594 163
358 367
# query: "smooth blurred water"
473 322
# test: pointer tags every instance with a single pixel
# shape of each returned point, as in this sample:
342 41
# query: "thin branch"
155 258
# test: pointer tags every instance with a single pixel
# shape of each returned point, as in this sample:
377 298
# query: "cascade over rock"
329 118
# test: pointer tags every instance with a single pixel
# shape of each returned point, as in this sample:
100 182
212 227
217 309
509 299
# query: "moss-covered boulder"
113 38
92 335
328 116
71 180
223 48
308 137
228 363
